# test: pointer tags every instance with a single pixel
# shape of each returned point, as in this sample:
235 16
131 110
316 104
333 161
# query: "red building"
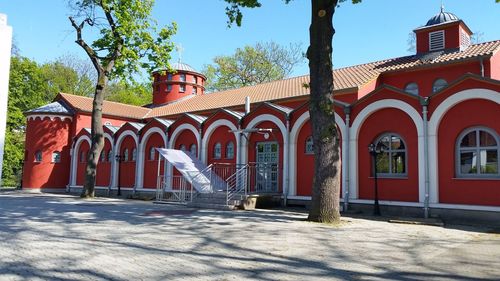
436 114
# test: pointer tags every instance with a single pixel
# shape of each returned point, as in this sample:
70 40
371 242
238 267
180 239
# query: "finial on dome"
442 7
179 49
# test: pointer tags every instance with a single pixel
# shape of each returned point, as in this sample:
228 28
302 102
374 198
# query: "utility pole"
5 52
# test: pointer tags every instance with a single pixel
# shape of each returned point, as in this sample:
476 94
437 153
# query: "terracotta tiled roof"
109 108
345 78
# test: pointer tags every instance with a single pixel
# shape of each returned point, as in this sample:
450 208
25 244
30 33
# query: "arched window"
438 85
56 157
217 150
134 154
193 150
125 154
152 154
82 156
110 155
230 150
182 147
477 153
38 156
309 149
391 160
412 88
182 77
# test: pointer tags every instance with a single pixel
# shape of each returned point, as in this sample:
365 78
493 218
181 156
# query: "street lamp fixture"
374 150
119 159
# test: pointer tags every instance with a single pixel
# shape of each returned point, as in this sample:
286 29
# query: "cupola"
443 31
182 83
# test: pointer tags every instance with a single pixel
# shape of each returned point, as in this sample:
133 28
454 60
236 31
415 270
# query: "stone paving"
60 237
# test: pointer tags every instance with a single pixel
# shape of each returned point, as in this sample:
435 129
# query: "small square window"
56 157
169 87
182 77
195 91
182 88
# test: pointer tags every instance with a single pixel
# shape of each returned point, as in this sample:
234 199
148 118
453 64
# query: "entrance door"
267 167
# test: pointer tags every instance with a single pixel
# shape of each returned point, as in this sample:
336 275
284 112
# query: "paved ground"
57 237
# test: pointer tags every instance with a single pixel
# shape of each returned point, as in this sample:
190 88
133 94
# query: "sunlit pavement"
60 237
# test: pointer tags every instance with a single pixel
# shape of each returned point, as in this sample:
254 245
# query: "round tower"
183 83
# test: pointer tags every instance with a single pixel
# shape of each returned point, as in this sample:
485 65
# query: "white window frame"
182 77
390 150
182 88
309 150
477 149
412 91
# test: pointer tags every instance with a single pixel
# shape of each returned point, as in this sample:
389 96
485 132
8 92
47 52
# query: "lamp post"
119 159
373 152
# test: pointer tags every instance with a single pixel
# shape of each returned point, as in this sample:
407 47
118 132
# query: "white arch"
116 150
353 142
171 143
435 121
294 134
208 134
142 154
285 135
74 157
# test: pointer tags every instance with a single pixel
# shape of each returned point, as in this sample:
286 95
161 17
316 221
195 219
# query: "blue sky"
372 30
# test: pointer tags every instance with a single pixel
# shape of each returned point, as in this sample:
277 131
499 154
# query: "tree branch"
90 52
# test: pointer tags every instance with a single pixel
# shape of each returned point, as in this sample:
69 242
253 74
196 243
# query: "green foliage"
129 93
252 65
129 39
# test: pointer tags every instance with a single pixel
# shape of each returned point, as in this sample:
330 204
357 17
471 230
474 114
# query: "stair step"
210 206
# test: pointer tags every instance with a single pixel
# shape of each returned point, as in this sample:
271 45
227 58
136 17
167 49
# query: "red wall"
80 167
103 173
451 35
465 191
127 168
276 136
222 136
396 189
85 121
47 136
160 94
305 163
426 77
186 137
495 66
151 166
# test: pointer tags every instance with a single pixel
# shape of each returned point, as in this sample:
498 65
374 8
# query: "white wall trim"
434 123
356 126
294 134
75 155
271 118
52 117
116 150
141 153
208 133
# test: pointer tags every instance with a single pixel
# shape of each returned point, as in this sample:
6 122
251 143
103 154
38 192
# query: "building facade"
434 115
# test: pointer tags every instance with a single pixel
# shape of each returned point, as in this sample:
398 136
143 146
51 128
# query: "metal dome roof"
182 67
442 17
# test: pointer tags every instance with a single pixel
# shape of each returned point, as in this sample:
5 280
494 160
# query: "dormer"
443 31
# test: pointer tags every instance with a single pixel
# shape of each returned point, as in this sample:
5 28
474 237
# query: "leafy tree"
128 40
130 93
326 184
27 90
252 65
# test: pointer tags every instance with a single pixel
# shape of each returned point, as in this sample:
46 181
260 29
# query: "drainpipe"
287 165
238 147
481 63
425 102
345 164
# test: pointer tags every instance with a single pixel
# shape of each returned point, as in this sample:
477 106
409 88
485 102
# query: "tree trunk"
97 137
326 184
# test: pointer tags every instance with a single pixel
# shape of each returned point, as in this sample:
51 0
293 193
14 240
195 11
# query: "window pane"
382 161
489 162
468 162
398 163
384 143
397 143
469 140
486 139
412 88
